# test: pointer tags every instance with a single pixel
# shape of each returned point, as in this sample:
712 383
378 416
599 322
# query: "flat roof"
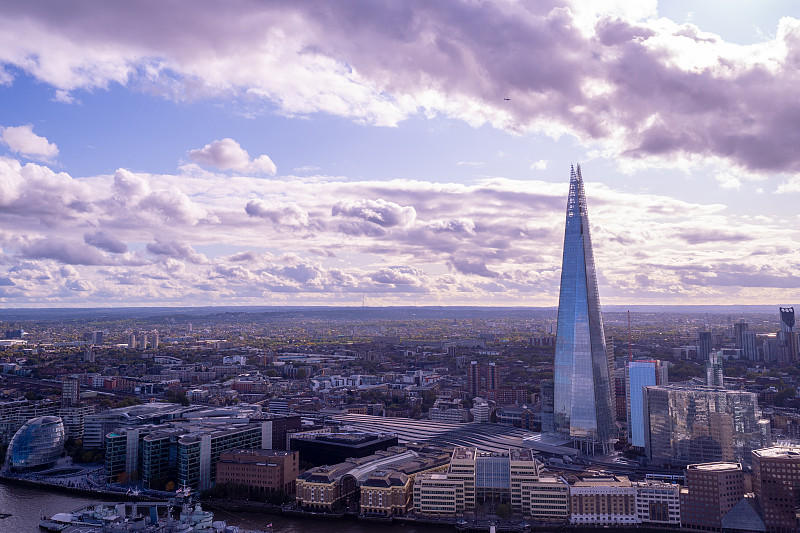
779 452
713 467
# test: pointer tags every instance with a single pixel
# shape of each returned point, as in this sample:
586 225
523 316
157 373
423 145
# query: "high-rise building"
70 392
705 343
686 425
714 375
640 374
582 393
750 345
473 378
787 338
738 331
776 482
712 489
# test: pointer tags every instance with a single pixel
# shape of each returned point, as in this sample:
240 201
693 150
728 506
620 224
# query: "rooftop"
715 467
779 452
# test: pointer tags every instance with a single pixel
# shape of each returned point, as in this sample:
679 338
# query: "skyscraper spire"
582 396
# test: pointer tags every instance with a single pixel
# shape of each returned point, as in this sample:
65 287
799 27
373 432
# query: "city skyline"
395 153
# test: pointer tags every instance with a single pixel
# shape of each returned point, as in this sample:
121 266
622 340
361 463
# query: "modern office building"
582 392
184 452
711 490
787 338
335 448
493 476
439 495
739 328
776 483
686 424
548 406
705 343
714 375
750 345
37 444
98 425
546 500
638 375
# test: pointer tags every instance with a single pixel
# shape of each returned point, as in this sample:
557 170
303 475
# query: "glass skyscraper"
582 394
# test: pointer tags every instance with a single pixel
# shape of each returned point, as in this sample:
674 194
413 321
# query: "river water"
26 506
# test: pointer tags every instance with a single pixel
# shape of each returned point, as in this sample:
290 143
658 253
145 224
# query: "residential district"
468 417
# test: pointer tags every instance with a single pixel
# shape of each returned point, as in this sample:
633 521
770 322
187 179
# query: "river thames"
27 505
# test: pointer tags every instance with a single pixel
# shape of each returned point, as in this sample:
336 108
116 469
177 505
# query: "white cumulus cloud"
22 140
227 154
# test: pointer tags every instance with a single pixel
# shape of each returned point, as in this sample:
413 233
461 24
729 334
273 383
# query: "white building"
658 503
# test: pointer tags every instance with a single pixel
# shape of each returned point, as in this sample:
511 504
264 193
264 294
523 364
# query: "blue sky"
322 153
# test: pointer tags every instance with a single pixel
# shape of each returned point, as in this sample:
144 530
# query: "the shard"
582 395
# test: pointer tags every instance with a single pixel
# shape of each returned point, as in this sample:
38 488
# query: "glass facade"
640 374
685 425
582 394
37 444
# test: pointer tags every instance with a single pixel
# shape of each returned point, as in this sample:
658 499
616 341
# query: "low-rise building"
386 493
658 503
439 495
262 471
546 500
602 500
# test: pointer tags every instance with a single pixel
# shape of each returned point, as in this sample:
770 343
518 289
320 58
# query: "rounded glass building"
37 444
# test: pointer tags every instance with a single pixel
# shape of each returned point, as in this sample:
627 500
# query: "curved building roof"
37 444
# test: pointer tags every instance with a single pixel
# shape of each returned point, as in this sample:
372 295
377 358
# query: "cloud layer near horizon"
646 91
198 237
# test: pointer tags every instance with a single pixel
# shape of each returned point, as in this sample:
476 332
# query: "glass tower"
582 394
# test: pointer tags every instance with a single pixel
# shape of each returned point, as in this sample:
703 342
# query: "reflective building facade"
37 444
582 394
640 374
687 425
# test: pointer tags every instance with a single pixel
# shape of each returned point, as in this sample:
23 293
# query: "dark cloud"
704 236
176 250
106 242
472 266
64 252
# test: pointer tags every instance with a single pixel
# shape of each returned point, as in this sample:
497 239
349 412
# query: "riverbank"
260 508
104 494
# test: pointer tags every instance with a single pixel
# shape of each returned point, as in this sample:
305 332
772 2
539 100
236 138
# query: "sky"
396 152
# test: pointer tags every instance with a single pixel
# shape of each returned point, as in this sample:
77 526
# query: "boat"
139 517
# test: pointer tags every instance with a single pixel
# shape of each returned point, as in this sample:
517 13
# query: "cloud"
472 266
700 236
539 165
63 252
289 215
226 154
22 140
642 89
175 250
106 242
380 212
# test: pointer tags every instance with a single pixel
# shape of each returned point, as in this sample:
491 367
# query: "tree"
784 395
503 510
170 486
